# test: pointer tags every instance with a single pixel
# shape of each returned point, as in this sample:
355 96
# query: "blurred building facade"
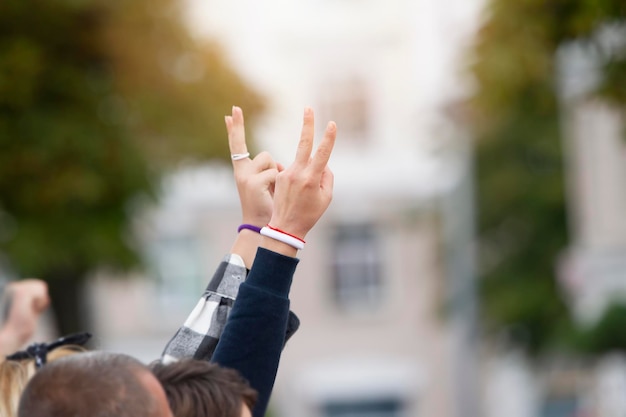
377 278
593 270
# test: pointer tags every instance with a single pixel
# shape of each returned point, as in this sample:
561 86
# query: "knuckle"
323 153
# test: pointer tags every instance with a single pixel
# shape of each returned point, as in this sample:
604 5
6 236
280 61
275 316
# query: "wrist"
245 245
283 236
9 340
288 228
278 246
251 227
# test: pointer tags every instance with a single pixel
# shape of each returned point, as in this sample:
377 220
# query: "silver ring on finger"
239 156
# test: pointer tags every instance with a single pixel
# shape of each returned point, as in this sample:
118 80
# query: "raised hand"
304 190
27 299
254 177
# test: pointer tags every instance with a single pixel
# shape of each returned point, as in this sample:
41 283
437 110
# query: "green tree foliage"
607 334
173 90
97 99
522 216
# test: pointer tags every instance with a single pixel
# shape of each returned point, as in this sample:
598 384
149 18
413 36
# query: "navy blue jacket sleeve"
254 335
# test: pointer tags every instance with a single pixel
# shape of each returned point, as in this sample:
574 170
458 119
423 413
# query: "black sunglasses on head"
39 351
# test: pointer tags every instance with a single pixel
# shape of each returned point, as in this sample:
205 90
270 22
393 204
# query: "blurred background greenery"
98 100
516 120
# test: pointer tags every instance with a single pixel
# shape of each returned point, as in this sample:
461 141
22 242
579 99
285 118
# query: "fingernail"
308 111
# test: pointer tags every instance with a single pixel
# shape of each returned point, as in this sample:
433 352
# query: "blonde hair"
15 374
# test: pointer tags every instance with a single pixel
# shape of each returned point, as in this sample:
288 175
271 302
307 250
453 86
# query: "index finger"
303 153
325 148
236 132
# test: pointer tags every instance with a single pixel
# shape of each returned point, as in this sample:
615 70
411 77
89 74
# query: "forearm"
245 245
253 339
200 333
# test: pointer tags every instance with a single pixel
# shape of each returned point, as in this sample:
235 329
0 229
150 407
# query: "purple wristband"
249 227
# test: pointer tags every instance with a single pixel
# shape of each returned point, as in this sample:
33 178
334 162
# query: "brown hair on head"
94 383
196 388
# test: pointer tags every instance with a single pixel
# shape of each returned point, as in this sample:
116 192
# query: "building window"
356 267
563 406
347 102
383 407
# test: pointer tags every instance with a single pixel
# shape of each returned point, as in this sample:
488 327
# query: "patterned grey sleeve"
201 331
